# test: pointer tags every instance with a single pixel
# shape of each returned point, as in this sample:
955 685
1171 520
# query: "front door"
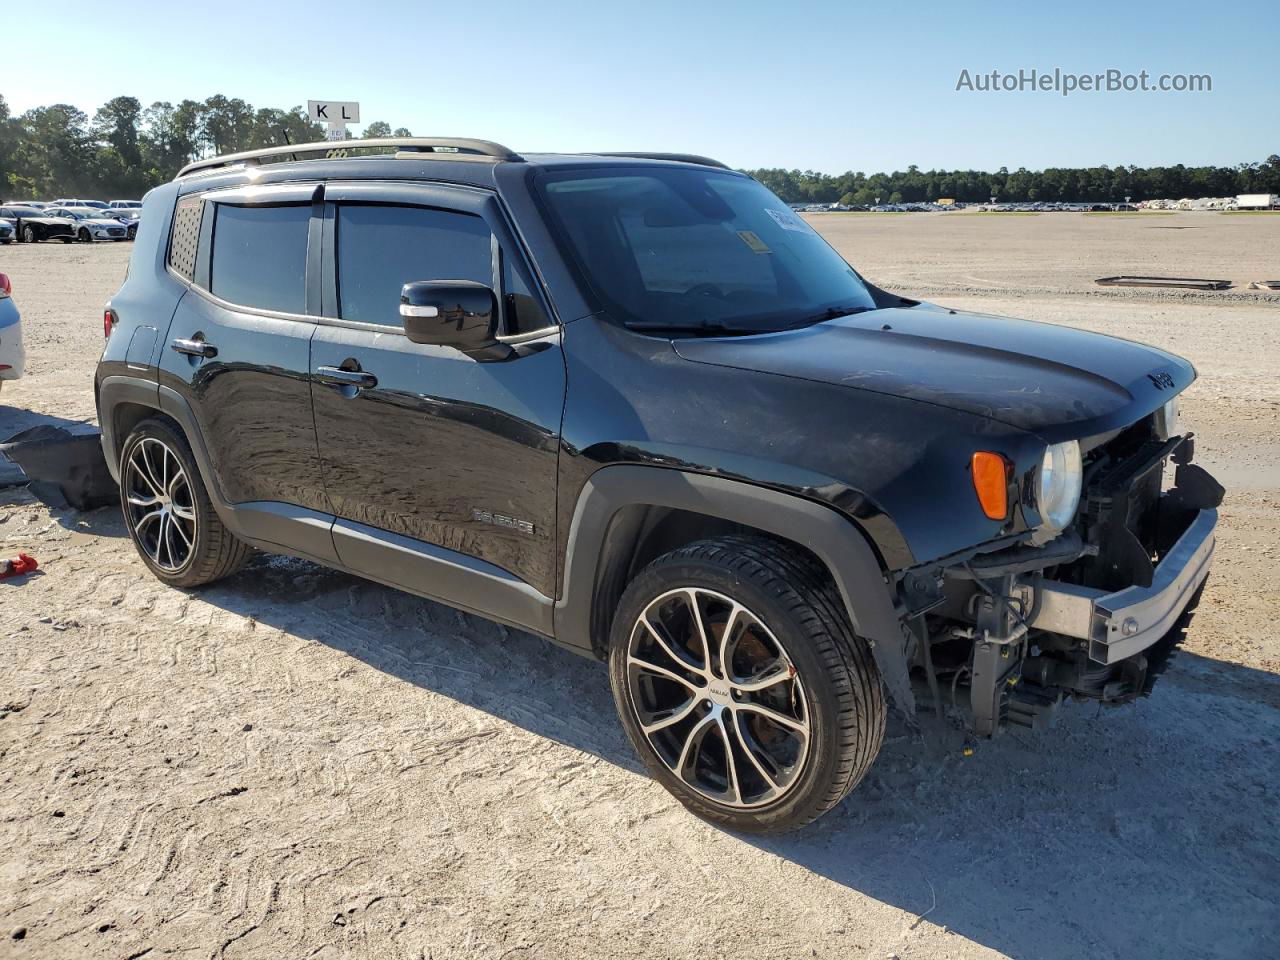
421 441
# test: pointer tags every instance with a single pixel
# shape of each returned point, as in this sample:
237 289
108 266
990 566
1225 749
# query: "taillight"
109 321
6 286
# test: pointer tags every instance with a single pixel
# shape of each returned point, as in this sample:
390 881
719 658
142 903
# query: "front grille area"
1120 508
115 231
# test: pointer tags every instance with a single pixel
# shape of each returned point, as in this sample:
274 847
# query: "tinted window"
381 248
523 310
185 235
685 248
260 256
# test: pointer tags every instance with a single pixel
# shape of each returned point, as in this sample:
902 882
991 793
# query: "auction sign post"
335 115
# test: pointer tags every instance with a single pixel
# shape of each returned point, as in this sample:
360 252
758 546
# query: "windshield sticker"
755 243
787 220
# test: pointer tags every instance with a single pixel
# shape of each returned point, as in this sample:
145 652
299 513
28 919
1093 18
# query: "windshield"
683 249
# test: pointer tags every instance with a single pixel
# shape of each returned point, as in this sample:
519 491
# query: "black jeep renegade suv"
634 404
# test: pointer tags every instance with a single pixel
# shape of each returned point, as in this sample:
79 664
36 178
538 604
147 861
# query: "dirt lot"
296 763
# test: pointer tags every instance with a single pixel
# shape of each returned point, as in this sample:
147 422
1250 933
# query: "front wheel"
83 236
29 235
742 684
171 521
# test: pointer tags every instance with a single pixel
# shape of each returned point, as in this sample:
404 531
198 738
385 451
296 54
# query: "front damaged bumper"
1124 623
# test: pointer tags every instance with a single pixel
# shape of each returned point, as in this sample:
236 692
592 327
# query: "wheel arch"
628 514
124 402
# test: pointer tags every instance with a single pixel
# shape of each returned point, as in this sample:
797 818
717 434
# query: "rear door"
238 347
436 447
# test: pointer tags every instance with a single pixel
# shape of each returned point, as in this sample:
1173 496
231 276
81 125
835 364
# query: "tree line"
125 149
1052 184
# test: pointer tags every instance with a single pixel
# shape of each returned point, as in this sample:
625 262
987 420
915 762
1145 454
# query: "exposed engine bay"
1094 613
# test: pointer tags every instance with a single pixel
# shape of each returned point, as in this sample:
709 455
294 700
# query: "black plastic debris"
1179 283
63 468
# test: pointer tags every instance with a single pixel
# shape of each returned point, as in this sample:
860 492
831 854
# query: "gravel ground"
297 763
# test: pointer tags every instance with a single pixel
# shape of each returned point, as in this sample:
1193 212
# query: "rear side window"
185 237
381 248
259 256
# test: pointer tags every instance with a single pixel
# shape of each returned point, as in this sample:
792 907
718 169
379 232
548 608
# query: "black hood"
1055 381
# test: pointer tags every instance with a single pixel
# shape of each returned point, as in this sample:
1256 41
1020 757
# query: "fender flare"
113 391
833 538
118 389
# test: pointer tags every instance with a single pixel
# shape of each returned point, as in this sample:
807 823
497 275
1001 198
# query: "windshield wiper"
831 313
706 326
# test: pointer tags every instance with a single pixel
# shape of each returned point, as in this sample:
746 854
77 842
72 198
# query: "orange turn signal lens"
991 481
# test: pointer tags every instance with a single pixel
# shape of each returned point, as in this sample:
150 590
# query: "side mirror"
451 313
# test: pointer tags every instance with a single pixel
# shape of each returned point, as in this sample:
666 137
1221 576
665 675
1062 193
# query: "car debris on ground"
60 467
1181 283
17 567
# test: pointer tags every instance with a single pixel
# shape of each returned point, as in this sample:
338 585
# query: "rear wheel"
742 684
170 518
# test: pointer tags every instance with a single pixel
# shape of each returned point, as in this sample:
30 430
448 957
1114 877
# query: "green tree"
227 125
54 150
8 142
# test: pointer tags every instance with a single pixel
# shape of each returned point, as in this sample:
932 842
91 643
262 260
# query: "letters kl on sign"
335 114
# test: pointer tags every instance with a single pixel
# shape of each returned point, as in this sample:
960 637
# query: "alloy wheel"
717 697
160 506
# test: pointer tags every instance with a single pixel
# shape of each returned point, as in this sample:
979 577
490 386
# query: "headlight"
1167 420
1058 486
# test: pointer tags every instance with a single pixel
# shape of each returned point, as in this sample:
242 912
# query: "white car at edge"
12 357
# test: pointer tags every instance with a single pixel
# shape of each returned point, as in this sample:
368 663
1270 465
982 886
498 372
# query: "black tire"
214 552
793 598
83 236
29 234
133 232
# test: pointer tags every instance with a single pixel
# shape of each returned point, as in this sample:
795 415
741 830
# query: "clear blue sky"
823 85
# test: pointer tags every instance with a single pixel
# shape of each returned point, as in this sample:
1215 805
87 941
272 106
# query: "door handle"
337 377
194 348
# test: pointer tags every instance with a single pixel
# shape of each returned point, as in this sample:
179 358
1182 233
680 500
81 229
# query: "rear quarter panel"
145 302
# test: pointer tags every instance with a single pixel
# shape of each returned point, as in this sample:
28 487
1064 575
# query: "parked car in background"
125 204
12 356
38 204
92 223
68 202
128 216
34 224
8 231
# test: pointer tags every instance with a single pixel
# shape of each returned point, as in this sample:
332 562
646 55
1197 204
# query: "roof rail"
446 148
678 157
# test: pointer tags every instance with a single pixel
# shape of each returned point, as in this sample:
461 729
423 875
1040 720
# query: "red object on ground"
16 568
